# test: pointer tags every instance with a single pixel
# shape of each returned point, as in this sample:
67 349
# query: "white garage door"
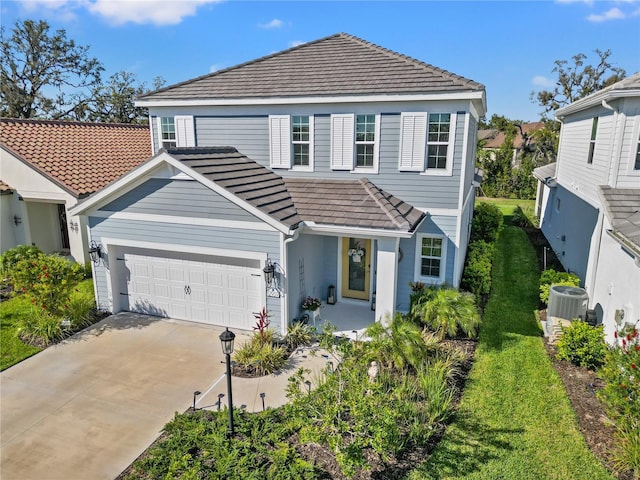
215 290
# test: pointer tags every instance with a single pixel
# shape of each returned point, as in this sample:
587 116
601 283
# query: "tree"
499 122
42 74
114 102
578 80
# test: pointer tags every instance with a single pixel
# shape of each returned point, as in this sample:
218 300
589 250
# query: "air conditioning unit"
567 302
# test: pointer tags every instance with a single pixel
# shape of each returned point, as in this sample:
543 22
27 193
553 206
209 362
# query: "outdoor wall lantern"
269 271
226 339
95 252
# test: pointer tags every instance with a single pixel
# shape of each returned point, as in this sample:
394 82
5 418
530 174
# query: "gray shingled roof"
352 203
626 87
545 172
622 206
337 65
242 177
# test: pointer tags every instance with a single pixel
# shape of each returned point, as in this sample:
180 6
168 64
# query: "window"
431 258
438 140
592 142
365 140
167 132
636 165
301 139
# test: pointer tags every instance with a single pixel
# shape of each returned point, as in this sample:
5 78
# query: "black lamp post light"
95 252
226 338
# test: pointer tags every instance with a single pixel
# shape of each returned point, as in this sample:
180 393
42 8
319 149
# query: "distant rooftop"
79 157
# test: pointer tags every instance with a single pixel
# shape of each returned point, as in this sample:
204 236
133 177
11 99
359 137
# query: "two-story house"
590 199
336 169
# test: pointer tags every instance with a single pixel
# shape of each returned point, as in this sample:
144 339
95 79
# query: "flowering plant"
356 251
311 303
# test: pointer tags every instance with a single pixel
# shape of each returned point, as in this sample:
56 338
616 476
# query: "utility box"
567 302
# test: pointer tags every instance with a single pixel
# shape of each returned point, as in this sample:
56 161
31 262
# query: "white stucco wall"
7 225
39 196
617 284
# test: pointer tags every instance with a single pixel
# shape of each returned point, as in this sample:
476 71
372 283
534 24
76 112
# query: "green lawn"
506 205
514 420
12 350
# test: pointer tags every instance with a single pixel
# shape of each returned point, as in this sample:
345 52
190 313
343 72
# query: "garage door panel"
187 288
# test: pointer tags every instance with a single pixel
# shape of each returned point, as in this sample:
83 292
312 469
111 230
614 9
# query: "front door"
356 266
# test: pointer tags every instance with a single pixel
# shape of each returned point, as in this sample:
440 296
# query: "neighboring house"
46 167
590 205
336 163
493 139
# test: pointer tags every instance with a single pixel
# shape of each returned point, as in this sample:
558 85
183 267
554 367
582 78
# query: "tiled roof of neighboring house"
622 206
626 87
353 203
495 138
337 65
4 187
242 177
357 203
80 157
545 172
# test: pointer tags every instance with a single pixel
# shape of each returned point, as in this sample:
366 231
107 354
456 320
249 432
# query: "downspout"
285 263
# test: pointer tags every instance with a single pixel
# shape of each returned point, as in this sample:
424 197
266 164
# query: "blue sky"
509 46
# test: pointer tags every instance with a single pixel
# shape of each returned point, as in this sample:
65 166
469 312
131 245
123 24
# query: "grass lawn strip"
12 349
514 419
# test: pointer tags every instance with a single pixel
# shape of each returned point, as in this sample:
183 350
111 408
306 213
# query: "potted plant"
311 304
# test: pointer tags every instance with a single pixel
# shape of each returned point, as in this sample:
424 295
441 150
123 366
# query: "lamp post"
226 338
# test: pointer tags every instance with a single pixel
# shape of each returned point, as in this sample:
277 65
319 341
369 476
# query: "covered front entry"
208 289
356 268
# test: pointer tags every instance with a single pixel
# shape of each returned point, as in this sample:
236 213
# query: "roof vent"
567 302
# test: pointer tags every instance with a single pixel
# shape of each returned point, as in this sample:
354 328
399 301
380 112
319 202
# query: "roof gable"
333 66
79 157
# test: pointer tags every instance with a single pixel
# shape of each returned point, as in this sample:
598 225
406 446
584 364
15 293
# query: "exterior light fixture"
269 271
95 252
262 397
226 339
195 394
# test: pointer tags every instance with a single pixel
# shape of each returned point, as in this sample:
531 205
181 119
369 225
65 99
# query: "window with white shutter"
440 139
280 141
342 141
413 137
185 132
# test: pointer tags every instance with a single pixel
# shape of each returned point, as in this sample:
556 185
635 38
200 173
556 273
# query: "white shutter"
342 131
413 140
185 132
280 141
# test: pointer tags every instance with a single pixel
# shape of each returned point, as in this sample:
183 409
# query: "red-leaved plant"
262 322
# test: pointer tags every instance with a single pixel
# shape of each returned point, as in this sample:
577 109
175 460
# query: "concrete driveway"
87 407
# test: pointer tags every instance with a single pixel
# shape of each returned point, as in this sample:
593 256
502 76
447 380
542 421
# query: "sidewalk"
250 393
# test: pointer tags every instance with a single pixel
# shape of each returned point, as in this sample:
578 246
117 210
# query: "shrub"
81 309
487 221
40 328
551 277
450 311
621 395
476 277
259 356
521 218
11 257
298 334
582 344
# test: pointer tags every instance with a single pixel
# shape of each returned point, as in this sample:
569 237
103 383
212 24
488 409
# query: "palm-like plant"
448 311
398 345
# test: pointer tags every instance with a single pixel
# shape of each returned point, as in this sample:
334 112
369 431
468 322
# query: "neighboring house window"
431 258
301 139
438 140
177 131
365 140
592 142
167 132
636 165
427 137
557 204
